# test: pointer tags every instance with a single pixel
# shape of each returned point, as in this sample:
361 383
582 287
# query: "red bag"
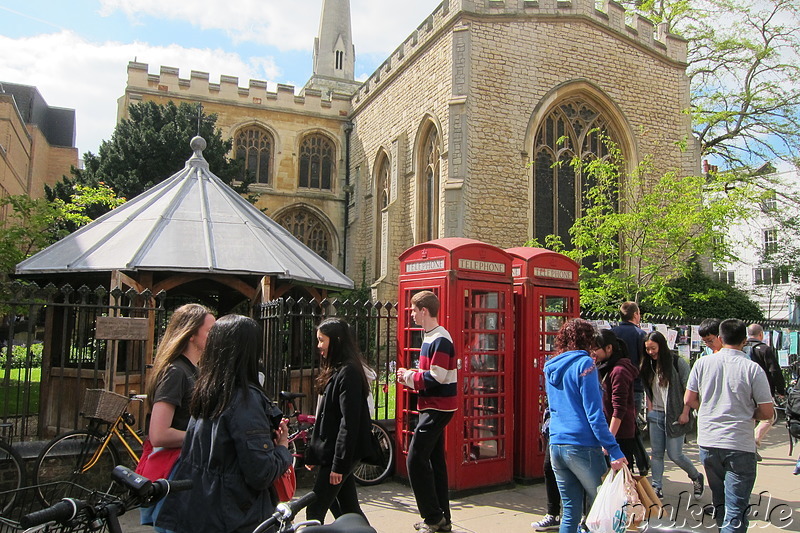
157 464
286 485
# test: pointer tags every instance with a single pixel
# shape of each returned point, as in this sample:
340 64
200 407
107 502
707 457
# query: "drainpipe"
348 129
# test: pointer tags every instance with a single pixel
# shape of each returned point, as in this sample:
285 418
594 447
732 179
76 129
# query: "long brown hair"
183 323
661 368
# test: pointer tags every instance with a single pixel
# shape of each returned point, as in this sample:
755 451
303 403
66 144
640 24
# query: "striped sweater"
437 377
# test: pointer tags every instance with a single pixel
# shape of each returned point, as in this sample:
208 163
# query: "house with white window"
761 242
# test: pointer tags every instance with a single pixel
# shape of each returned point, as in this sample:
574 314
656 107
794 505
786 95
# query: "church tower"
334 53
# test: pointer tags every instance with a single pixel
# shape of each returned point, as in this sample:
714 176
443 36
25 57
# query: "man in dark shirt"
632 335
764 355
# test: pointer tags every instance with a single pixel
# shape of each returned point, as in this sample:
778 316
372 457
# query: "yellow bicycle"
86 457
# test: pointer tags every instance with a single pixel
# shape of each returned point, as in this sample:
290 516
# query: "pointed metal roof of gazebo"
190 222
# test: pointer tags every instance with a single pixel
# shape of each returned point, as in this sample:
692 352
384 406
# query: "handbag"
375 454
157 463
286 485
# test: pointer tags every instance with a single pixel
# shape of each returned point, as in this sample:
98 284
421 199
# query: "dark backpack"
793 411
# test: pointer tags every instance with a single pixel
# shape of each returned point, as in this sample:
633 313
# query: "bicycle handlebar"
143 488
286 511
63 511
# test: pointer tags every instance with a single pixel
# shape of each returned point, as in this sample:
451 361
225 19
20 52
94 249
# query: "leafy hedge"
19 356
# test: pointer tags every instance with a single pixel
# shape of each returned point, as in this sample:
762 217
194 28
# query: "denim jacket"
233 463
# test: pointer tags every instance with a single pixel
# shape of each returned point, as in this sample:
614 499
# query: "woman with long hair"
664 376
578 427
236 442
342 434
171 382
616 373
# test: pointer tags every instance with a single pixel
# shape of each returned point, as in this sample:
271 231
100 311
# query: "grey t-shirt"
730 387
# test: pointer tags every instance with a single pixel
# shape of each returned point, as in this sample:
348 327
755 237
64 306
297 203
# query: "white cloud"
89 77
378 26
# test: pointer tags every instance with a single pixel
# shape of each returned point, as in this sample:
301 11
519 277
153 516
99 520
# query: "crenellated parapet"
612 16
167 82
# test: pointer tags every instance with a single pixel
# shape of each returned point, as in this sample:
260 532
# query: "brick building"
37 141
457 133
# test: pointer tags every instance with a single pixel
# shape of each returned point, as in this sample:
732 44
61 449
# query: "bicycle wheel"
370 474
12 477
65 458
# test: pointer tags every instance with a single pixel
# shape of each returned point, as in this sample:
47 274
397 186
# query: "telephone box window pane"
481 342
484 362
547 343
554 304
486 300
552 323
485 320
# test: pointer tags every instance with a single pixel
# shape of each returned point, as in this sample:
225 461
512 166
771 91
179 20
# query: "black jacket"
341 434
233 463
764 355
633 337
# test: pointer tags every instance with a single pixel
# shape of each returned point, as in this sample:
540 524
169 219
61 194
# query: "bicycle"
285 513
95 510
12 472
85 456
301 426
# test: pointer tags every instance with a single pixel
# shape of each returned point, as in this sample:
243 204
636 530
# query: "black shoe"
659 492
697 485
548 523
709 510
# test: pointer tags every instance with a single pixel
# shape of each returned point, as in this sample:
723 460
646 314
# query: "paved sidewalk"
390 506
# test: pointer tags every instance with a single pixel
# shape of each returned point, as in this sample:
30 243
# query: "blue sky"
76 52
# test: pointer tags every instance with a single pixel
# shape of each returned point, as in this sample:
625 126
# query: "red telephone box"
473 282
545 296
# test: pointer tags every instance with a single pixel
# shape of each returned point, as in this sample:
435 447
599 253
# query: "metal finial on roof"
197 144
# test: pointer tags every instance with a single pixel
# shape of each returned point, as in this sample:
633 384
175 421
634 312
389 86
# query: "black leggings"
550 486
340 499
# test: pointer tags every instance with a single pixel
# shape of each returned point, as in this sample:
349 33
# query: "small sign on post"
121 328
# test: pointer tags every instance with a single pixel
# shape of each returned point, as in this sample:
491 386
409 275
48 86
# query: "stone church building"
455 135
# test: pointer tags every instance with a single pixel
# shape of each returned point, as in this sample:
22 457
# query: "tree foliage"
637 230
32 224
744 69
697 295
149 147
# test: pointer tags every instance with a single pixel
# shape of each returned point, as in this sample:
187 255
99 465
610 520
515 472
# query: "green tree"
697 295
32 224
745 74
149 147
638 230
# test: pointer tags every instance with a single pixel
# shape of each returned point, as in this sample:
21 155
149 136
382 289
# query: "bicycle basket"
103 404
19 502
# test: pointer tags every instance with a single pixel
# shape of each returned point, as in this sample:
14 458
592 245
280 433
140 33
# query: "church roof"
190 222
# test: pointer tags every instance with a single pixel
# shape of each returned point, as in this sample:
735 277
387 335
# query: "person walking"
578 428
342 432
764 355
729 391
236 442
171 382
664 376
435 380
629 332
552 519
617 373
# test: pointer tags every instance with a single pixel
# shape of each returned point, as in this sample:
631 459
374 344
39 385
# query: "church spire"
334 53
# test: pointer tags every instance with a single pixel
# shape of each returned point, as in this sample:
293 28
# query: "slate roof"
190 222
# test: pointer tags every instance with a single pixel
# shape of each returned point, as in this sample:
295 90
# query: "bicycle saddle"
287 396
348 523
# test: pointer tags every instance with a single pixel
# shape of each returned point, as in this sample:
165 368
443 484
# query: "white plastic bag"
610 510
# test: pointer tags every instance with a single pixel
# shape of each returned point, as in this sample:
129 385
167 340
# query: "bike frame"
118 429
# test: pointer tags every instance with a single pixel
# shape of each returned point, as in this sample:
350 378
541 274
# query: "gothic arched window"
428 185
381 215
309 229
254 148
571 128
316 162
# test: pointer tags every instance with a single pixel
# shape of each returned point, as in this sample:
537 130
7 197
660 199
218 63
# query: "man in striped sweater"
435 380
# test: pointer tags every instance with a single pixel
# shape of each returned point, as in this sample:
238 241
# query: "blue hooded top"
576 403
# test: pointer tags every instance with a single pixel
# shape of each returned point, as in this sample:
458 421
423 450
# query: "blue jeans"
579 471
731 475
659 442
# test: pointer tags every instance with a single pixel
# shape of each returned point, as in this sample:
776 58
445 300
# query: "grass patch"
14 394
